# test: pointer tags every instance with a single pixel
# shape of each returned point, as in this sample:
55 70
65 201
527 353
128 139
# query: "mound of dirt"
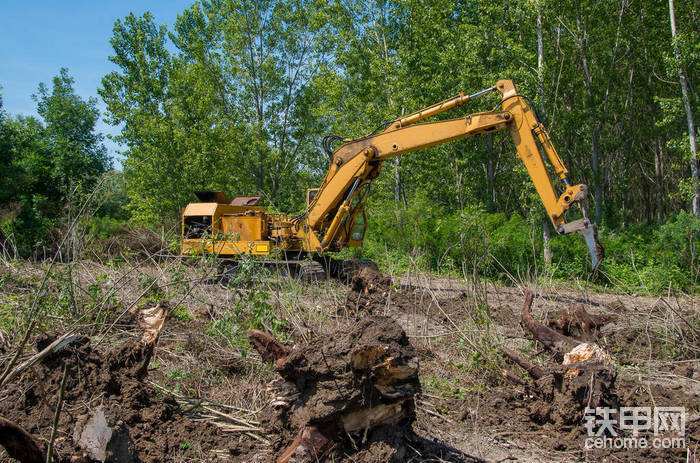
367 279
106 398
370 294
360 381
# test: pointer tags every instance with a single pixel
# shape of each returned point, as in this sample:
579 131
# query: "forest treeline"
237 95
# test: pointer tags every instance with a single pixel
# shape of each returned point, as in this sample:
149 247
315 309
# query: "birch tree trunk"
694 168
546 246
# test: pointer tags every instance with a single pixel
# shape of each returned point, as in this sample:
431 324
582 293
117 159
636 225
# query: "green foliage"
225 110
152 293
48 165
237 94
443 387
182 313
471 241
178 375
104 227
251 311
654 259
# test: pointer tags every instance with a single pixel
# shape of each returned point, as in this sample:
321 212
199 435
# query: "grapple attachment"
590 234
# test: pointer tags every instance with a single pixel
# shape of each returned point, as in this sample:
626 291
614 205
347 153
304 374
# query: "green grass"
182 313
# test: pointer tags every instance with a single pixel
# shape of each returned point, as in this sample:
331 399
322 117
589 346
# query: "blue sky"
38 37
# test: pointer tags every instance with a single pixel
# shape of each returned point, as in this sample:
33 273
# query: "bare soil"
464 409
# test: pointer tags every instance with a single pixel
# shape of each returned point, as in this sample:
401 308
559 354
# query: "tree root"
19 444
586 377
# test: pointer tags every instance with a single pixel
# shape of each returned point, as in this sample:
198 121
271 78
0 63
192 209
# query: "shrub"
639 258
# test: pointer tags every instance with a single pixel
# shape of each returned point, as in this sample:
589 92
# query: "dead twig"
57 415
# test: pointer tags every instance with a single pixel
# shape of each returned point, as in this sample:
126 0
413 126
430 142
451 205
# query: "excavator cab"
311 195
357 231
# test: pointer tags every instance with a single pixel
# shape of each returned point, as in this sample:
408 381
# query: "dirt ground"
204 396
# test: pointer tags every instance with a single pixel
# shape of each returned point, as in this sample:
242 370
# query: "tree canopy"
238 95
45 163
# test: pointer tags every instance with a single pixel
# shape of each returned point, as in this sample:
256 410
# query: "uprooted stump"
342 391
373 293
368 279
583 378
578 323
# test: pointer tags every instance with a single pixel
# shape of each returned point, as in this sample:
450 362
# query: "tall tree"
240 93
694 161
45 163
227 109
77 153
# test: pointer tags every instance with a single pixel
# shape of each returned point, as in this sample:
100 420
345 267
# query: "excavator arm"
356 163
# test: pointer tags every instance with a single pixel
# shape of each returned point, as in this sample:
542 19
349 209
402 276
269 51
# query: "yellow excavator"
335 217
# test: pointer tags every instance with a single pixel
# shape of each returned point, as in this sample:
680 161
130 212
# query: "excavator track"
309 271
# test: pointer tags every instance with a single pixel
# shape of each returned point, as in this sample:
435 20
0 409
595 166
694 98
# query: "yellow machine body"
224 229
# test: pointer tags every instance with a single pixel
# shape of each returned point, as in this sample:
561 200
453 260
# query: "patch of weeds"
443 387
262 315
178 281
481 315
185 445
179 348
101 299
66 303
182 313
481 343
251 311
8 313
178 375
154 365
228 329
153 294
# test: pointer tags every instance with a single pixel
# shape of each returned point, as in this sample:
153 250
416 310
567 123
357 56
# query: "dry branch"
269 348
534 371
57 414
56 346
